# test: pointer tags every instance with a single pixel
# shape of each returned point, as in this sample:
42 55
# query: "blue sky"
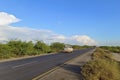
99 19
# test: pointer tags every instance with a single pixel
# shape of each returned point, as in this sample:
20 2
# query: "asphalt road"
27 69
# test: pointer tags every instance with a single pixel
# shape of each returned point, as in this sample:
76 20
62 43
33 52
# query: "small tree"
56 47
16 47
76 47
41 47
21 48
5 51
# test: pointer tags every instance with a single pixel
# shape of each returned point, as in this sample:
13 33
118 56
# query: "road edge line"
57 67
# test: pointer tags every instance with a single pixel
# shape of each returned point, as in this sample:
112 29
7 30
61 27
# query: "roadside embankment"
103 66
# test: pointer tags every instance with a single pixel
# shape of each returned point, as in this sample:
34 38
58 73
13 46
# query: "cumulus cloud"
8 32
84 40
28 34
6 19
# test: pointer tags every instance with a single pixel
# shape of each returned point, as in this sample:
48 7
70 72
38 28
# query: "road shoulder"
69 70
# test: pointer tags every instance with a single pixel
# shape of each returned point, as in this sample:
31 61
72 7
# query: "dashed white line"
24 64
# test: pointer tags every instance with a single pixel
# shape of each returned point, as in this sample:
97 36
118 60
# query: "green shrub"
81 47
56 47
100 53
5 52
21 48
101 69
115 49
41 47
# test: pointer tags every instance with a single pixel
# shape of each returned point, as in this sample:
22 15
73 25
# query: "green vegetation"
101 67
81 47
5 51
56 47
115 49
41 47
101 54
18 48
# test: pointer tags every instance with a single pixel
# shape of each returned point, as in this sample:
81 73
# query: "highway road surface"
27 69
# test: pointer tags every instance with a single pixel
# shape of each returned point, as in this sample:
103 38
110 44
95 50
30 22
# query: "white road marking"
24 64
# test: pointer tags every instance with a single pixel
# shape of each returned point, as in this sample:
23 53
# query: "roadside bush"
5 52
56 47
18 48
41 47
114 49
76 47
101 67
21 48
100 53
27 48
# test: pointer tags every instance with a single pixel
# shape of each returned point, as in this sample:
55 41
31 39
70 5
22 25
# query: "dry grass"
101 67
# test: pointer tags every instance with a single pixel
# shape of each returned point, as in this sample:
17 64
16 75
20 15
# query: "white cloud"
84 40
6 19
8 32
56 38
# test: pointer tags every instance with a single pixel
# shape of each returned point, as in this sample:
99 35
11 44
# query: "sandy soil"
116 56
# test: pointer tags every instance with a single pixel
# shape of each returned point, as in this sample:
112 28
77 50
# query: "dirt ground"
116 56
